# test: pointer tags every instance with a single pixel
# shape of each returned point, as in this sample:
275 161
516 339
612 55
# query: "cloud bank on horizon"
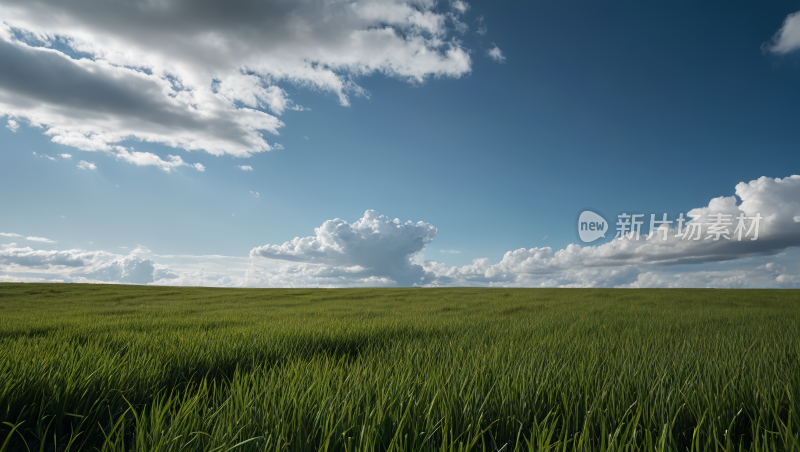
376 250
206 75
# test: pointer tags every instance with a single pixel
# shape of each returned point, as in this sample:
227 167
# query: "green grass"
102 367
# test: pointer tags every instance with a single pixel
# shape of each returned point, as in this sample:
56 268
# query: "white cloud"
83 164
245 167
28 257
496 54
9 234
617 262
198 77
12 125
255 193
450 251
378 251
65 156
44 156
787 39
39 239
150 159
79 265
373 246
460 6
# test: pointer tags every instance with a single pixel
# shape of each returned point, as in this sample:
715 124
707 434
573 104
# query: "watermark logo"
591 226
717 226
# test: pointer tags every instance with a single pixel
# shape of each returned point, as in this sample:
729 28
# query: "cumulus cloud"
777 201
787 39
205 76
65 156
12 125
39 239
496 54
79 265
378 251
83 164
245 167
129 269
9 234
375 246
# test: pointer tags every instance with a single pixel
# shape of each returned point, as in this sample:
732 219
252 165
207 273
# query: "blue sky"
618 107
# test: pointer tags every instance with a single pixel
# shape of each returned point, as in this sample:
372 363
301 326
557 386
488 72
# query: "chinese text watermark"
592 226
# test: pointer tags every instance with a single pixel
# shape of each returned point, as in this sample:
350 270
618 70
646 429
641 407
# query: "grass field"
104 367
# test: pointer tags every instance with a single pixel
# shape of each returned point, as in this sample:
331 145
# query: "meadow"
132 368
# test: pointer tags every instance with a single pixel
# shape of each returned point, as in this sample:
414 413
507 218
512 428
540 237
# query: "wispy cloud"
150 159
481 30
83 164
460 6
40 239
245 167
496 54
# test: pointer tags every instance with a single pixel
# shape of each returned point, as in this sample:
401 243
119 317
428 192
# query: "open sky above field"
274 143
